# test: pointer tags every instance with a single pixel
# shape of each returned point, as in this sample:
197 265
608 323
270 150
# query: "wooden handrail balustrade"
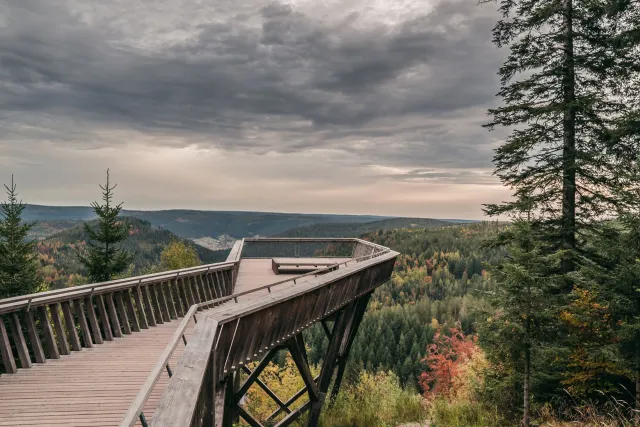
49 324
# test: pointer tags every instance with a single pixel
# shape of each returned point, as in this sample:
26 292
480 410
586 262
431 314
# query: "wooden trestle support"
341 336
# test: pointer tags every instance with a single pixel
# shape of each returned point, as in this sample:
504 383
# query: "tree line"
564 319
104 257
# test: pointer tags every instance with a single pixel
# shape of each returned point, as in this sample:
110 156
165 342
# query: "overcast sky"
337 106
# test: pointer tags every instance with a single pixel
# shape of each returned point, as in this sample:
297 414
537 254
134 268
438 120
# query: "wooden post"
123 313
329 364
60 333
173 314
71 326
174 288
360 309
117 332
36 345
155 304
128 300
151 319
164 307
93 320
137 295
49 338
5 348
84 327
104 318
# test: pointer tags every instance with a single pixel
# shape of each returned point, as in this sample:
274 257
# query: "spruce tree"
521 317
18 259
614 282
570 104
105 258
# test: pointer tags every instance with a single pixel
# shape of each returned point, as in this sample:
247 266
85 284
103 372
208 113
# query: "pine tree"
570 103
105 258
614 283
18 262
522 314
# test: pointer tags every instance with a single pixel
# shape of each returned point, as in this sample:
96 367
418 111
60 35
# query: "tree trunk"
637 369
568 223
527 379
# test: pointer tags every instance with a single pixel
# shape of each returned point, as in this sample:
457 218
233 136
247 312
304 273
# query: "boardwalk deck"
95 385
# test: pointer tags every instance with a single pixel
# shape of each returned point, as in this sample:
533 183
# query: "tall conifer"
567 88
105 257
18 262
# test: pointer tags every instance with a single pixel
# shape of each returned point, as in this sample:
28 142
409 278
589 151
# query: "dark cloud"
255 78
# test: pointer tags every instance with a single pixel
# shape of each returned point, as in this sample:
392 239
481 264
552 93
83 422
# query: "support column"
352 330
328 367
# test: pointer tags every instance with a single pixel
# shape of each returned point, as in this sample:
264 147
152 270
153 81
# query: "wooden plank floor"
92 387
255 273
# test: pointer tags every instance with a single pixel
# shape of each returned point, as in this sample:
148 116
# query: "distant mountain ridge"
195 224
354 230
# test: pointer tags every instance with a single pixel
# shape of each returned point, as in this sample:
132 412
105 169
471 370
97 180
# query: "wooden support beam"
117 331
291 401
229 412
71 326
327 332
151 318
19 341
345 348
155 303
300 360
174 289
49 338
166 288
60 333
122 311
137 296
248 417
128 300
5 348
269 392
84 326
93 320
255 374
34 339
164 307
292 417
328 367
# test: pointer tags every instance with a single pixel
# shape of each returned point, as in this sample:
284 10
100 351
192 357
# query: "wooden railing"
135 411
49 324
235 334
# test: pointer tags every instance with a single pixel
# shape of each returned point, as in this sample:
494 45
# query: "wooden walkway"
95 386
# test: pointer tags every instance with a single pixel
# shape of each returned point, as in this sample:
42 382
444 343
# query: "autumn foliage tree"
445 356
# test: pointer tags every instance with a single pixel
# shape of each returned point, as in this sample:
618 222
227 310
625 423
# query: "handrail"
136 408
8 305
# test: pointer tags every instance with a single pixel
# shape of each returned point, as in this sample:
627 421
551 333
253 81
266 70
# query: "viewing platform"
167 349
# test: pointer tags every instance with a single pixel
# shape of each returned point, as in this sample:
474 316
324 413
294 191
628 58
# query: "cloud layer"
389 92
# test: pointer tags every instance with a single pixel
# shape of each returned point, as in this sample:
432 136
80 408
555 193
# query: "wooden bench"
302 265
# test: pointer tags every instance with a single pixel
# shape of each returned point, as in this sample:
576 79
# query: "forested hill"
438 282
192 224
60 265
358 229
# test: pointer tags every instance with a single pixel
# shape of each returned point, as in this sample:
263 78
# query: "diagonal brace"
253 376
